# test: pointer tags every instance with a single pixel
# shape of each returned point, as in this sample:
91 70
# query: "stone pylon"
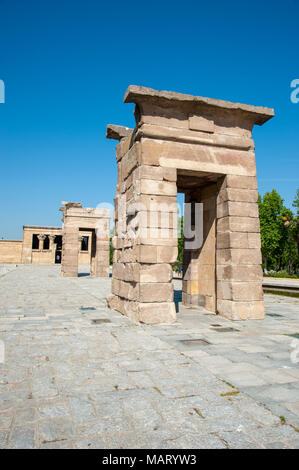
203 148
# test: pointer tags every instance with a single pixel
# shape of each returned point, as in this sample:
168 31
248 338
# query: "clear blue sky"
66 65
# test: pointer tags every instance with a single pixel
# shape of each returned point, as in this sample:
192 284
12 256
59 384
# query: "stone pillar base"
150 313
233 310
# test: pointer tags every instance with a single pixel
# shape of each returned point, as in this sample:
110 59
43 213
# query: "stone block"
162 188
130 160
126 271
171 241
241 182
210 303
254 240
197 157
207 256
156 292
167 254
238 240
147 254
169 174
238 195
232 240
237 209
206 287
123 147
153 313
115 303
239 291
238 224
126 290
238 256
199 123
154 203
253 310
155 273
240 273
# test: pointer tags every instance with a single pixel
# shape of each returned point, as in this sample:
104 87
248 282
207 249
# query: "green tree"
272 230
295 231
287 219
296 202
181 239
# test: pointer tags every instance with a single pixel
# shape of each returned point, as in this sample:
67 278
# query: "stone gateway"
203 148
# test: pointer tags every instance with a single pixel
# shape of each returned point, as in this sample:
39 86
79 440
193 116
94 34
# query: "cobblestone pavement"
77 375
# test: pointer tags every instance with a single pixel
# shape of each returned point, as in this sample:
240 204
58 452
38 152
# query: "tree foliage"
279 229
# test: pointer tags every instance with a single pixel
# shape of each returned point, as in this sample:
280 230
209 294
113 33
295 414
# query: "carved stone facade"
77 221
44 245
41 245
203 148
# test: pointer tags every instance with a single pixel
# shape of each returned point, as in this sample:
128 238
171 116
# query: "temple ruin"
84 239
77 222
203 148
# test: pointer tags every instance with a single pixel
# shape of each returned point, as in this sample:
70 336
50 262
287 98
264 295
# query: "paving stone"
121 385
53 411
90 443
277 445
22 437
273 434
228 423
293 406
55 429
3 438
82 410
25 416
44 387
238 440
5 420
294 444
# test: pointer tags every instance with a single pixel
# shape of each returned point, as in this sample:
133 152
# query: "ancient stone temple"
88 227
203 148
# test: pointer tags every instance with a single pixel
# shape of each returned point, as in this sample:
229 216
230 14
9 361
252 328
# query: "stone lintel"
41 227
117 132
139 95
71 204
87 212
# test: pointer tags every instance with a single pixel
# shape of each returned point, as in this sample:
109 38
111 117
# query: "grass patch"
198 412
282 420
295 428
157 390
230 394
229 384
282 275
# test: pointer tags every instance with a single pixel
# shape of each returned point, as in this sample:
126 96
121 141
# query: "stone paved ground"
77 375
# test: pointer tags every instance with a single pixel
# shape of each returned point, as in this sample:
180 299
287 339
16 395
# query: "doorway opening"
58 250
87 251
196 272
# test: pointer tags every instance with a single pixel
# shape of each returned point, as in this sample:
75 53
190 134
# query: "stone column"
146 239
52 247
69 262
239 271
41 238
102 252
157 244
27 247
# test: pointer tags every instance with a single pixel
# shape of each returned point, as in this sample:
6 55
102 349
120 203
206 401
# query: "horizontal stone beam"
117 132
139 95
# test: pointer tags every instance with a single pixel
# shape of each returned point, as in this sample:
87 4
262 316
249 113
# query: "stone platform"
78 375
